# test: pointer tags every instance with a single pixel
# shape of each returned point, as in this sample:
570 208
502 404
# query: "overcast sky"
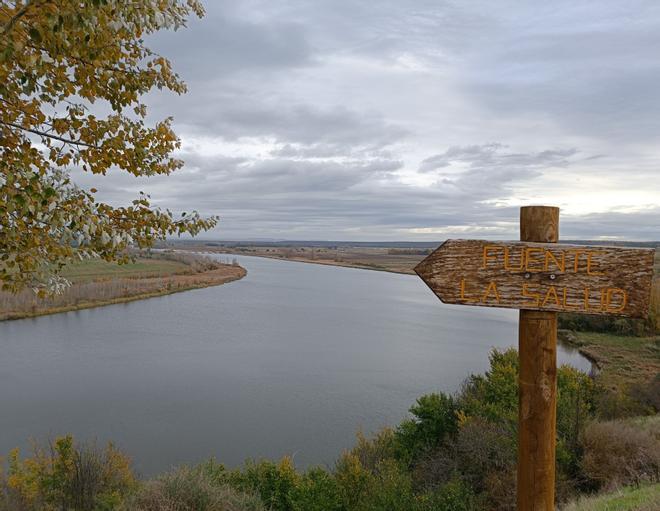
413 120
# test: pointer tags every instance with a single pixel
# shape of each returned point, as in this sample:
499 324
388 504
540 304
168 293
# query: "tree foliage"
68 475
435 419
72 78
455 453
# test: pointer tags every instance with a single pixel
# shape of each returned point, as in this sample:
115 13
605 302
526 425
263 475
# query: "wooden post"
537 411
541 278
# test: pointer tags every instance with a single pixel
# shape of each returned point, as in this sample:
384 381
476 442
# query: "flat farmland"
95 270
95 282
397 260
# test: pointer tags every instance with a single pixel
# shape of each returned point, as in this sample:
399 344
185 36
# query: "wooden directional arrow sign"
541 276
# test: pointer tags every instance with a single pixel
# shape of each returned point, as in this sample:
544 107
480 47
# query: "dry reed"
198 272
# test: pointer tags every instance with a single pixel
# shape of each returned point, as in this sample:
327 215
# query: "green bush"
384 445
494 395
317 490
354 481
392 489
434 421
576 393
483 451
273 482
606 324
386 488
455 495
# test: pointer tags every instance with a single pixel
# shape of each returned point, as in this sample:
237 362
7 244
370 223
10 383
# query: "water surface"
293 359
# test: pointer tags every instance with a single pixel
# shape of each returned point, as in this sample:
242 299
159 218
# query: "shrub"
617 453
372 451
391 491
452 496
575 408
317 490
494 395
353 481
486 452
648 394
387 488
606 324
75 477
482 458
273 482
191 489
434 421
618 403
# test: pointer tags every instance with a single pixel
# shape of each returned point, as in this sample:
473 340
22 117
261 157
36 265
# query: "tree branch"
48 135
21 12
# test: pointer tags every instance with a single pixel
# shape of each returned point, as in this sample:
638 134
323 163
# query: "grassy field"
396 260
95 283
622 360
644 498
94 270
625 361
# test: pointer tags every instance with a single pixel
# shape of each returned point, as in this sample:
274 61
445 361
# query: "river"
293 359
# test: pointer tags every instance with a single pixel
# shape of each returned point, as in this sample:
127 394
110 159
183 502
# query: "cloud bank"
418 120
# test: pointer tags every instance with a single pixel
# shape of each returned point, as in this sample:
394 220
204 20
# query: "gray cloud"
224 43
488 172
238 117
413 120
589 67
284 198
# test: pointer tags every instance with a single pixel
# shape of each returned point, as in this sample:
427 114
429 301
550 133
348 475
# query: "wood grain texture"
541 276
537 382
537 410
539 223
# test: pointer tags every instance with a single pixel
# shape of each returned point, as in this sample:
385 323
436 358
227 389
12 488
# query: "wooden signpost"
540 277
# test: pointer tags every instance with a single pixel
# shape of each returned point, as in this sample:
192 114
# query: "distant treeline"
375 244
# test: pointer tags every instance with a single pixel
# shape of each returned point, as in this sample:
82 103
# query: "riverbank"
623 362
97 283
389 259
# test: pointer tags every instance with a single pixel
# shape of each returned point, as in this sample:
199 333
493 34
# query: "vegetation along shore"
455 452
94 283
395 257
